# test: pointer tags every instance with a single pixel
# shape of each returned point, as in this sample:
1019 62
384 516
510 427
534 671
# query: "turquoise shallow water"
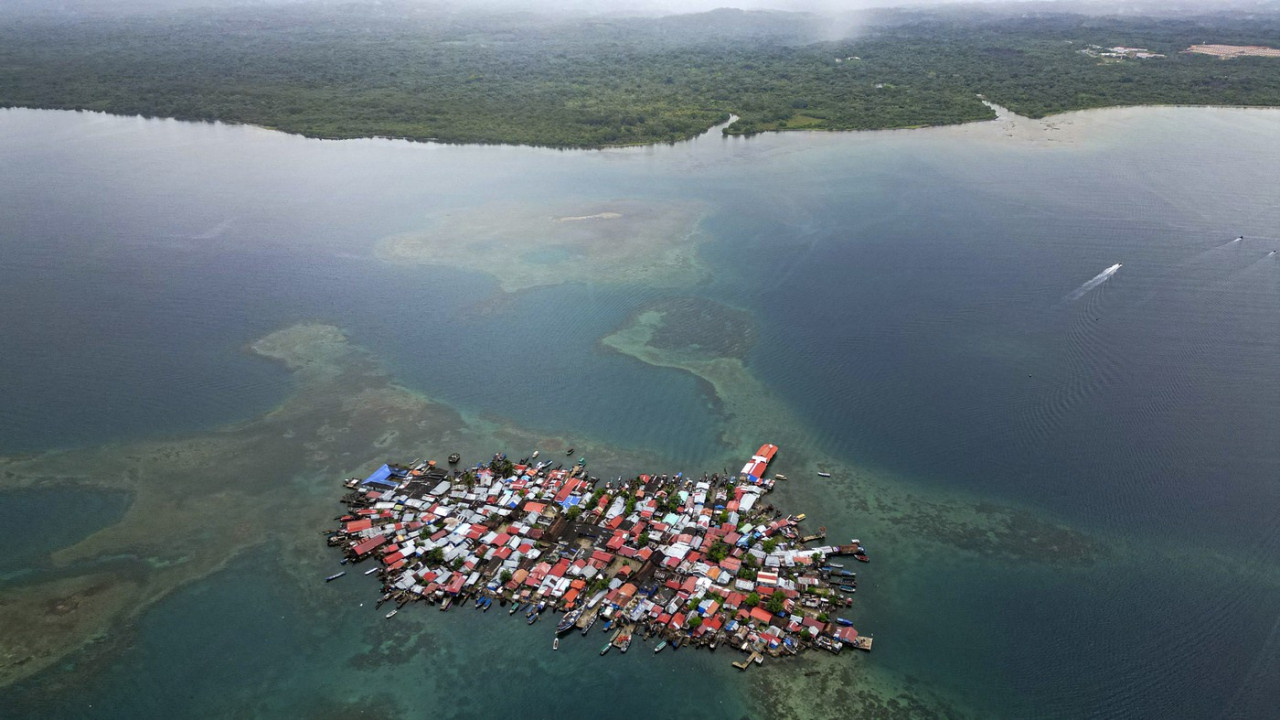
914 299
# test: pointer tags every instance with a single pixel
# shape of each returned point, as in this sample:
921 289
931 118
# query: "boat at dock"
567 621
861 557
515 607
626 643
606 647
590 623
848 589
335 576
444 606
843 621
661 645
488 603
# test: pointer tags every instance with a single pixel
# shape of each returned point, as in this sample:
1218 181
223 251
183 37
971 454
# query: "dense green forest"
339 72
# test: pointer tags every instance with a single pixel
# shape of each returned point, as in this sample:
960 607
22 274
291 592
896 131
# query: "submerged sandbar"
526 245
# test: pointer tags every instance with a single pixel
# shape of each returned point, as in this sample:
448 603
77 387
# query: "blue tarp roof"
571 501
380 476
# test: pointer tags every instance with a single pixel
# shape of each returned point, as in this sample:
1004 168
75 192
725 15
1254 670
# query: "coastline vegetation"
423 74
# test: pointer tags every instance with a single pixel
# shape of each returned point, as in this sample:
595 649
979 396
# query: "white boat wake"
1097 280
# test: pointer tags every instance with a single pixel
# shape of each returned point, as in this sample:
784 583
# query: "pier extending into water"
682 560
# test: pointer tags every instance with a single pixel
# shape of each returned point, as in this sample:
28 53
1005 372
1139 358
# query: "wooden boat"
454 458
660 647
861 557
335 576
555 644
568 453
567 621
824 474
626 643
444 606
848 589
392 613
371 571
606 647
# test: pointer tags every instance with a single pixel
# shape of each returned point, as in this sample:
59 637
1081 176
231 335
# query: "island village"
684 561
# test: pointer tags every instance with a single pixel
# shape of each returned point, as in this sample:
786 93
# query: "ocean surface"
941 308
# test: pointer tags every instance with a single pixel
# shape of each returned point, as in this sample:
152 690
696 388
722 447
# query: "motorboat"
567 620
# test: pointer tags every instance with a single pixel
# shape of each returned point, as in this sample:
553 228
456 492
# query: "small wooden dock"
820 535
744 664
863 642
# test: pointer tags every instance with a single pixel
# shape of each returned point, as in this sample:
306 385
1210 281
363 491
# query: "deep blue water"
41 520
914 295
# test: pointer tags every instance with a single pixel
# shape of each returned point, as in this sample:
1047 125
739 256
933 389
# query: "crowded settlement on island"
679 560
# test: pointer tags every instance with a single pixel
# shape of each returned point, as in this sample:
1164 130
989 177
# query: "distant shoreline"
590 83
708 132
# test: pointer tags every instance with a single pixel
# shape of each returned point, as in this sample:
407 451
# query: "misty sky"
651 7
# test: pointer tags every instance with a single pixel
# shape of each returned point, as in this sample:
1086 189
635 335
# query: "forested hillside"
344 72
